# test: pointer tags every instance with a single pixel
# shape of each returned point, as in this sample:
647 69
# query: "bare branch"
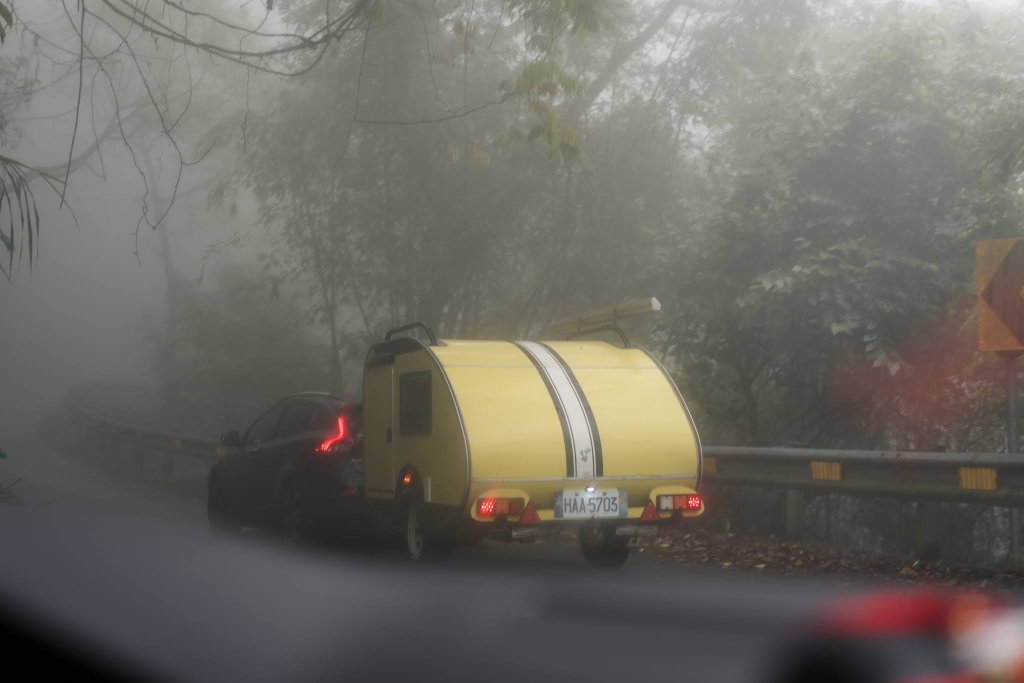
317 40
462 113
78 100
621 54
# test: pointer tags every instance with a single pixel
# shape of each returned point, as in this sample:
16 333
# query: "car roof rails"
413 326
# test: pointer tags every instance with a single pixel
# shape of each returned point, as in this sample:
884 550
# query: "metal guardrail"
145 444
925 478
988 478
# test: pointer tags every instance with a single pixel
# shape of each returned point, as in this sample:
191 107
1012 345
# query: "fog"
208 206
88 307
258 191
799 183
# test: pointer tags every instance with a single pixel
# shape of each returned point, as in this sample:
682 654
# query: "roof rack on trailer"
604 319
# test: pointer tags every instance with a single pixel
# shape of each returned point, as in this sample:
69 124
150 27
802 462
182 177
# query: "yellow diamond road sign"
1000 266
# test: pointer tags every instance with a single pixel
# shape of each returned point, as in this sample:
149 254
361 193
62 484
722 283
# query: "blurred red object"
923 612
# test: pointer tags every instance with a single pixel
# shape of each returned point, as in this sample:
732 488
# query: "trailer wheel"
418 545
415 543
602 548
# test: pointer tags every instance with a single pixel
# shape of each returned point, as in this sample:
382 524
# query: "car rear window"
263 429
323 419
296 420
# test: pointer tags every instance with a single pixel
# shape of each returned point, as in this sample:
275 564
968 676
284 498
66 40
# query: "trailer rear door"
379 428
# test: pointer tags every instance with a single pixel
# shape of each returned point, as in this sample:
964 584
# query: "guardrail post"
793 513
828 519
928 538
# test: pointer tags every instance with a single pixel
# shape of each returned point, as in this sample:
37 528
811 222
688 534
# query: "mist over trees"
799 182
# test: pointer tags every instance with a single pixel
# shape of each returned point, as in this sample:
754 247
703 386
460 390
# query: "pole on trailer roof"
603 317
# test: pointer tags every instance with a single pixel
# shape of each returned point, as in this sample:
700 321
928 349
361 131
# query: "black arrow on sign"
1003 292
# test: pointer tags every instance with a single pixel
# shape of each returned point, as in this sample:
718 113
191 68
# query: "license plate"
596 504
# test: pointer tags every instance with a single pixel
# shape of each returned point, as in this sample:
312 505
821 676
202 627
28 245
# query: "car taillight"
496 507
334 442
687 502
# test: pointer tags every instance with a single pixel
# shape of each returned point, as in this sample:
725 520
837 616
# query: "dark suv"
298 469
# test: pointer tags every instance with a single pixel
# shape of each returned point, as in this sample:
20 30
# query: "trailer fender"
408 482
438 520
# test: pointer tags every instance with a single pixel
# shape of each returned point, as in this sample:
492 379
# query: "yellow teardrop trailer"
464 439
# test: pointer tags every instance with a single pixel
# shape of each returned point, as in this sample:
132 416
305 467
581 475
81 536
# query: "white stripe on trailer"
572 404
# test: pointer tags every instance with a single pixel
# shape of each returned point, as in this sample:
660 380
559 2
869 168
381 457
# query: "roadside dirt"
733 553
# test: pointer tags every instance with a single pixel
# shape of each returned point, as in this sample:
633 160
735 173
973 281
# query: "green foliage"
19 214
19 204
6 21
847 230
801 184
239 347
544 80
548 20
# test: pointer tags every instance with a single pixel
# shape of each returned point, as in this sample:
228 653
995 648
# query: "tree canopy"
800 182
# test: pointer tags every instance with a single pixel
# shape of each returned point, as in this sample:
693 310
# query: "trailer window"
414 403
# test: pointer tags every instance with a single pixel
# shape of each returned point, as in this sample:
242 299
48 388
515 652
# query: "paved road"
49 478
133 574
174 603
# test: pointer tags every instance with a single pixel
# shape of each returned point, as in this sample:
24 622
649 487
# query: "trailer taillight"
496 507
687 502
333 443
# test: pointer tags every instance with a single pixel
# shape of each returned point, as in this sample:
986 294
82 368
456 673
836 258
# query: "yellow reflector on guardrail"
826 471
978 478
710 465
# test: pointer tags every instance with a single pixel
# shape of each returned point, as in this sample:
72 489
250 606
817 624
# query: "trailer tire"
602 548
415 542
418 545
